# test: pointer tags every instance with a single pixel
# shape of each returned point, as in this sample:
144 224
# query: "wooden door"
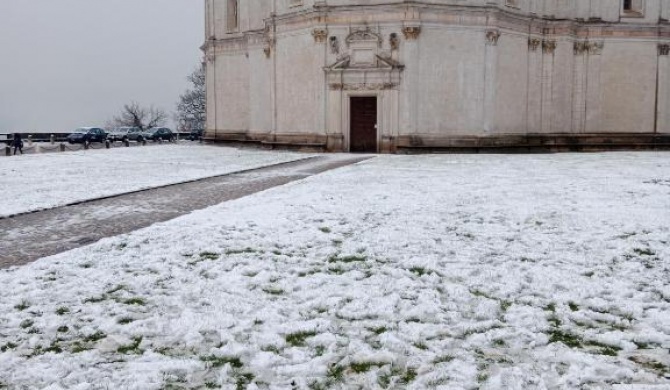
363 126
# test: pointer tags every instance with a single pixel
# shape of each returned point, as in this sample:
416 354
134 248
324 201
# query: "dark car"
136 134
87 134
195 135
159 133
123 133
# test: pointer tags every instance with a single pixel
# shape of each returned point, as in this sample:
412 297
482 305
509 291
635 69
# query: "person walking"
18 143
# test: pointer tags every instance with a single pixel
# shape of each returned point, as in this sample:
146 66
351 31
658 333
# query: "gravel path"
26 238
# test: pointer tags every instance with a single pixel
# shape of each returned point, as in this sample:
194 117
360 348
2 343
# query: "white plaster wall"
451 81
629 83
300 83
511 114
260 87
232 74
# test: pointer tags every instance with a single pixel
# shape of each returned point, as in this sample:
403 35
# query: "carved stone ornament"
320 35
362 87
210 57
534 44
492 37
581 47
364 36
267 50
334 44
394 41
663 49
596 48
549 46
411 32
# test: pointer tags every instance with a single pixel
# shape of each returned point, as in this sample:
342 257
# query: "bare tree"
134 115
191 114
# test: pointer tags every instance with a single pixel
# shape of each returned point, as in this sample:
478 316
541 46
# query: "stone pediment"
379 62
364 37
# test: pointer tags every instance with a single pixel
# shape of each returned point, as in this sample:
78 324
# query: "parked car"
159 133
135 135
195 135
122 133
87 134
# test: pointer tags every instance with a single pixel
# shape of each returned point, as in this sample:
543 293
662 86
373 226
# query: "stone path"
26 238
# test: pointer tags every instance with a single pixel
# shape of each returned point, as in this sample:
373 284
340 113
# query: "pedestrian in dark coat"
18 143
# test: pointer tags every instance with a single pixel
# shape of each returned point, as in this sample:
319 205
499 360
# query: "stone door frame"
346 116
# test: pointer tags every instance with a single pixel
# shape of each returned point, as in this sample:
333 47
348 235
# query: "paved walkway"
26 238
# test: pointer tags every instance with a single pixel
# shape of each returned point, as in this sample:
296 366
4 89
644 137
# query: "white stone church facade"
403 76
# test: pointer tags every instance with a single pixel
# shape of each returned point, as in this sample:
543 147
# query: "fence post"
8 150
107 143
30 139
62 147
126 142
85 145
144 142
52 139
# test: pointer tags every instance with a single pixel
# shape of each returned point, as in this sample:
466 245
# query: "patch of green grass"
554 321
420 271
480 293
362 367
243 380
271 348
23 305
209 255
573 306
551 307
443 359
420 345
220 361
335 372
96 299
54 348
297 339
378 330
62 310
135 301
25 324
644 252
569 339
240 251
357 258
63 329
325 229
589 274
499 343
8 346
86 265
125 320
319 350
132 348
409 376
273 290
95 337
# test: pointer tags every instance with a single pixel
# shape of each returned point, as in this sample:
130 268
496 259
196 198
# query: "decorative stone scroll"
663 49
411 32
593 48
320 35
492 37
534 43
394 41
596 48
549 46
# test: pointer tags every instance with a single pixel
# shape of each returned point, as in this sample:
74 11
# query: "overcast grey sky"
71 63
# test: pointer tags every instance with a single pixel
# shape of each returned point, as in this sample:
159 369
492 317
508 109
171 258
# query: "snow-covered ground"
39 181
420 272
